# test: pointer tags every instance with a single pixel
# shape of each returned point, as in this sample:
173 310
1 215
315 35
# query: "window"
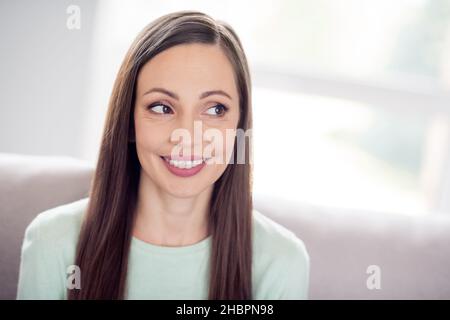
351 98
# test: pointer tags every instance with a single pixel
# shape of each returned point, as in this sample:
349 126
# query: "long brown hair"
106 232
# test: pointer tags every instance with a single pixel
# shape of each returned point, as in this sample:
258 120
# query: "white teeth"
184 164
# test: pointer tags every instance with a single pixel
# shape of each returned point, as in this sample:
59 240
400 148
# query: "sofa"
409 255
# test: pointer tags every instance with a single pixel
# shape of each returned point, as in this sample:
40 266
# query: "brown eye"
160 108
217 110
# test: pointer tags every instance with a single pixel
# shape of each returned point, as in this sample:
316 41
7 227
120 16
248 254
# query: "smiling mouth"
185 164
184 167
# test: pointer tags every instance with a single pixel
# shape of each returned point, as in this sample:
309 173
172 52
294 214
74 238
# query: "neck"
165 220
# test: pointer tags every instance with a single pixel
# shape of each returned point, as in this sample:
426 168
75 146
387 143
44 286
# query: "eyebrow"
176 97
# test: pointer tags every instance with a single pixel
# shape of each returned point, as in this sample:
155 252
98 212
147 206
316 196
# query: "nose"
187 122
188 134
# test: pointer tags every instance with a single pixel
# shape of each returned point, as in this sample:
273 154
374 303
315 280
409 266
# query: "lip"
185 158
184 172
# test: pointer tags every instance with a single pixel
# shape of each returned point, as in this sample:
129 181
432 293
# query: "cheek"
150 142
147 140
222 137
149 137
222 153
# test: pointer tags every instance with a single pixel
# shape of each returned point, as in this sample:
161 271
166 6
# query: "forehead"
189 68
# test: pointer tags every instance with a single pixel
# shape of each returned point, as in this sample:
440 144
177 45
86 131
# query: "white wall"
43 73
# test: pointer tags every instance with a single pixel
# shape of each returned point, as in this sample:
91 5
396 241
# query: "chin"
185 189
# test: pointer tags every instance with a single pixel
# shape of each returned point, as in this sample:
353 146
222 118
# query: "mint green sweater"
280 261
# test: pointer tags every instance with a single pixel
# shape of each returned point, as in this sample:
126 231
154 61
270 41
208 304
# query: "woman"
169 216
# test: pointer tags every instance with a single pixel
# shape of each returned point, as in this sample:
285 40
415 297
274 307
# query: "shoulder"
58 224
281 260
273 237
48 248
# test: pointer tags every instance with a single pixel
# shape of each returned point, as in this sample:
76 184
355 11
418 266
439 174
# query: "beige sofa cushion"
28 186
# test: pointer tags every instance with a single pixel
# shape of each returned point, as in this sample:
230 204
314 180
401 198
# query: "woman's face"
186 101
